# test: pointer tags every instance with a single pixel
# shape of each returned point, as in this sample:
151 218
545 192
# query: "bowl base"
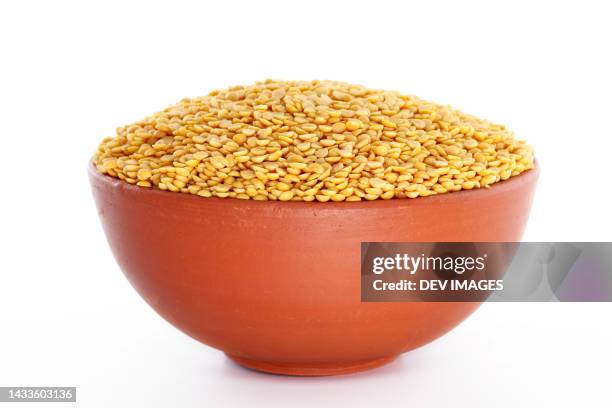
310 370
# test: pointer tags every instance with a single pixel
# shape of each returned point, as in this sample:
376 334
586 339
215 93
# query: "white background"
73 71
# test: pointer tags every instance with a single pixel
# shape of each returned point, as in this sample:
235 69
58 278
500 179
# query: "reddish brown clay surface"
276 285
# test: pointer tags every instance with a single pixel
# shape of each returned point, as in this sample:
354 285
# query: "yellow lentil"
312 141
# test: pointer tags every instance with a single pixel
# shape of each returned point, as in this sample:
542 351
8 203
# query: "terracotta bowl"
276 285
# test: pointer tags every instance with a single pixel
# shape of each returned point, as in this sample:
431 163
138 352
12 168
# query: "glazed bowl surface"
276 285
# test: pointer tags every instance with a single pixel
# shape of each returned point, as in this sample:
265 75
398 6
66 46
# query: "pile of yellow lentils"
312 141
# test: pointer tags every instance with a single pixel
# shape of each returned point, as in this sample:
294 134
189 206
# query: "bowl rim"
500 187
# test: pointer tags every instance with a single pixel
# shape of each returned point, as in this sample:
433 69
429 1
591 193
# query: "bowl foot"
311 370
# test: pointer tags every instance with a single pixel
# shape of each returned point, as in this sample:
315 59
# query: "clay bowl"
276 285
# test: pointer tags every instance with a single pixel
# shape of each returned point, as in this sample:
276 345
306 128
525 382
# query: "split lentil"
312 141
